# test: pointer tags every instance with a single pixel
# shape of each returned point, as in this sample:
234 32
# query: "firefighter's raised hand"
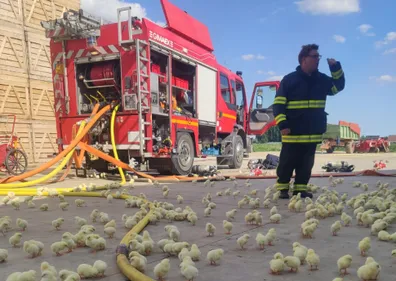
285 132
331 61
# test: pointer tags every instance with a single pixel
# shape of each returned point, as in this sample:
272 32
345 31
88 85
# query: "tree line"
272 135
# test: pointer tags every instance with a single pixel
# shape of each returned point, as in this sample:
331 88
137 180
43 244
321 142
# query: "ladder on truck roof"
73 25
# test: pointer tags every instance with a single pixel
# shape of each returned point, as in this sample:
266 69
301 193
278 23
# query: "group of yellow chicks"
375 209
85 237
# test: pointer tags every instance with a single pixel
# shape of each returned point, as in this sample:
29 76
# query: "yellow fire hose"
113 115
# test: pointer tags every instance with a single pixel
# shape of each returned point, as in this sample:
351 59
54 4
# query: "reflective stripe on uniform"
337 74
302 104
334 90
282 186
302 138
279 118
280 100
300 187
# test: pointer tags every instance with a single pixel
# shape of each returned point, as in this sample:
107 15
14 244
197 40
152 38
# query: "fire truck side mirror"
128 82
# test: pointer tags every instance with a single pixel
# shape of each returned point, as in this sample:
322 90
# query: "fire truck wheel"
183 161
238 153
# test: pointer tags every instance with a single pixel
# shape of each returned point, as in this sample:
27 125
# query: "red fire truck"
176 101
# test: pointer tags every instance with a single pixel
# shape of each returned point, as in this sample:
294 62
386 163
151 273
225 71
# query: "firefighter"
299 110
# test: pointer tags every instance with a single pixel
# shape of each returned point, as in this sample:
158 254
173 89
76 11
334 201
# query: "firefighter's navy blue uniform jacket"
300 103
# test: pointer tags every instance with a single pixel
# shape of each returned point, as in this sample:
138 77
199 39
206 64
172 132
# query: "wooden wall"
25 72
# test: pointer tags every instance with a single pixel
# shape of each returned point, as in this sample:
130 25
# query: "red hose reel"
104 74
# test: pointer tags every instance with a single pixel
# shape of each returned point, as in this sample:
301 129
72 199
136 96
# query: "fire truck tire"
236 161
349 147
183 161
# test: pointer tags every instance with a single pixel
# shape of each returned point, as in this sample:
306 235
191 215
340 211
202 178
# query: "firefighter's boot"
304 194
284 194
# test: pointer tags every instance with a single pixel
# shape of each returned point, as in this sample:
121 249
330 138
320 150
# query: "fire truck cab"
176 101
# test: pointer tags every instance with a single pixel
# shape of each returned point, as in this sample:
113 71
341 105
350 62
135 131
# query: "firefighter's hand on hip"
331 61
285 132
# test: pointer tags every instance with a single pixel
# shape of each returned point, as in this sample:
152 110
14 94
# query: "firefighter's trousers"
298 157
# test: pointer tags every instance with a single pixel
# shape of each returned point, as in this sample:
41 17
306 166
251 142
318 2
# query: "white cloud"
107 9
339 38
390 51
274 78
390 36
270 73
384 78
328 7
252 57
364 29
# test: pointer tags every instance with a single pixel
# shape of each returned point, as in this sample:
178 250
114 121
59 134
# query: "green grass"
260 147
263 147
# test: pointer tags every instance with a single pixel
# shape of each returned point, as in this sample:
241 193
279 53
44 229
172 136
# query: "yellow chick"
364 246
346 219
23 224
292 262
44 207
227 226
231 214
80 202
67 275
270 236
277 266
261 240
3 255
189 272
87 271
344 263
45 266
15 239
31 249
57 247
338 279
58 223
101 267
369 271
242 241
273 211
195 253
110 231
215 256
276 218
312 259
179 199
63 206
161 269
335 228
384 235
210 229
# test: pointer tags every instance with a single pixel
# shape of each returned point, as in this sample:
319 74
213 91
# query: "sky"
263 39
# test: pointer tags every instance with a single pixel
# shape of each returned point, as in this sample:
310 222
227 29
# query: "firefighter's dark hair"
305 50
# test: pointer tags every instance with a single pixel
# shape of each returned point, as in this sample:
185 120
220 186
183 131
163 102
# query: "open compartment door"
261 116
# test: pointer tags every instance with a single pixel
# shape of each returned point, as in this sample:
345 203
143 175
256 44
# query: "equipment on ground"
338 167
345 134
176 101
269 163
12 159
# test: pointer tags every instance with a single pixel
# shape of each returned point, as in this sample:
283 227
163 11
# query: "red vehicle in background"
372 145
177 102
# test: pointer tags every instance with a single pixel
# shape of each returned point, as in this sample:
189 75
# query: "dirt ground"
251 264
